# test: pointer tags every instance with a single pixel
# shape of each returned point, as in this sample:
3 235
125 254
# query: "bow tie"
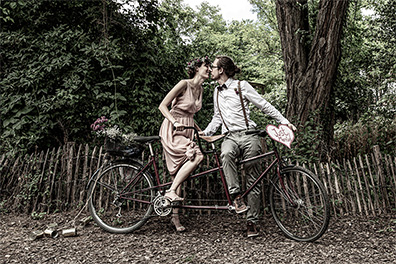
221 87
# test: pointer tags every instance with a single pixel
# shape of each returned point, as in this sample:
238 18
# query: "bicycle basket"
117 148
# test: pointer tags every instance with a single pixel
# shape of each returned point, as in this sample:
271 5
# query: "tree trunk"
310 68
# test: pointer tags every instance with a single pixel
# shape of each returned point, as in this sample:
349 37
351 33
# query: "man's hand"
292 127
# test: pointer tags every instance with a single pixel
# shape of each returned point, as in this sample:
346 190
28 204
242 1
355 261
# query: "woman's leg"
175 189
175 215
182 175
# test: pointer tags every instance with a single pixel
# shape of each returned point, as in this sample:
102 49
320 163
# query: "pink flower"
99 123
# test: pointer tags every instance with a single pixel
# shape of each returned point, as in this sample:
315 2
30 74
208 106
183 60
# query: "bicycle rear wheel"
120 198
299 204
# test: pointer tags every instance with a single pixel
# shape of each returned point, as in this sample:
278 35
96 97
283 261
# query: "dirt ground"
217 238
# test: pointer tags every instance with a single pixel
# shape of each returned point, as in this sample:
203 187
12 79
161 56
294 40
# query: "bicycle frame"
219 168
297 199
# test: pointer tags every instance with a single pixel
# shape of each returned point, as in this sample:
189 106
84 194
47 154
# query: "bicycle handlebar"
198 139
259 132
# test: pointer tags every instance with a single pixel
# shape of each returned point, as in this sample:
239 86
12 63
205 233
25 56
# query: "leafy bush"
64 63
359 138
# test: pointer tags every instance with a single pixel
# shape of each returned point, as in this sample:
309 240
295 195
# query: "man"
235 120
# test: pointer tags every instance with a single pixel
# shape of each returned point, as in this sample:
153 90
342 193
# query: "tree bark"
310 68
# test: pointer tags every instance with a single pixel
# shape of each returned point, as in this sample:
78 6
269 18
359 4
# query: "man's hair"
228 65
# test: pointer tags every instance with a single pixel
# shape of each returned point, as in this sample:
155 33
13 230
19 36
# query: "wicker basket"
111 145
117 148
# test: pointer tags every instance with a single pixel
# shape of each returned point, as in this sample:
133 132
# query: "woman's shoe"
178 226
174 197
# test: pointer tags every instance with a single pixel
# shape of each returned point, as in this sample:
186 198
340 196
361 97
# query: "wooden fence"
55 180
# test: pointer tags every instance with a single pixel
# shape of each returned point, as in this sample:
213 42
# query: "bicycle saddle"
142 139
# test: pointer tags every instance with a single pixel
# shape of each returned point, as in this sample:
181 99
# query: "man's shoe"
252 230
240 205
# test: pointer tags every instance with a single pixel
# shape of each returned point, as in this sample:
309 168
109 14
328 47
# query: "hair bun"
193 64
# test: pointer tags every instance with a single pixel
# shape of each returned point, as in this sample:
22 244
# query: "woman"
181 153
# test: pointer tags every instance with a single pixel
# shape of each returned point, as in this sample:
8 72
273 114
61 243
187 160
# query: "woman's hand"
178 126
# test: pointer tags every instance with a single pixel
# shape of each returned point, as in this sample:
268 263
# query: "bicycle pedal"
232 208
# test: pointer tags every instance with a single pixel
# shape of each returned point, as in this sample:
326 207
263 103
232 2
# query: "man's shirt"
231 109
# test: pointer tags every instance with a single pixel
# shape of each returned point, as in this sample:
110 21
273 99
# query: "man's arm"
255 98
216 119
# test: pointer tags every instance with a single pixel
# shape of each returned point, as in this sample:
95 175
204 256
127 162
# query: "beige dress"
178 145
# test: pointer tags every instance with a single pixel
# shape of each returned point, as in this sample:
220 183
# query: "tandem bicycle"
125 193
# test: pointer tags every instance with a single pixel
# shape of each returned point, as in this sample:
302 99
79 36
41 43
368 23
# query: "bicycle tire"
119 202
302 208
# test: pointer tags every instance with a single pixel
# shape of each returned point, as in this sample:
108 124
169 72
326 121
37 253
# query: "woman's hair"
228 65
194 64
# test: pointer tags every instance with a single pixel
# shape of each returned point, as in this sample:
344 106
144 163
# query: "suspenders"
242 104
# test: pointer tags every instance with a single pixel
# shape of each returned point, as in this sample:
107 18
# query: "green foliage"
365 87
306 144
306 149
359 138
38 216
64 63
366 79
3 207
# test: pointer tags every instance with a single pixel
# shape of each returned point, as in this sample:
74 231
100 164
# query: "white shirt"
231 108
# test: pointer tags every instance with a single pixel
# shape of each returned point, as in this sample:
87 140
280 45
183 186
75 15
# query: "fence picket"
338 192
56 180
362 196
354 183
374 186
47 184
349 189
344 189
29 167
382 173
332 195
4 185
40 188
367 186
69 172
76 175
4 169
84 175
53 179
392 176
2 159
380 184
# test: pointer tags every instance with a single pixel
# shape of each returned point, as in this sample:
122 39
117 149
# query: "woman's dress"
178 145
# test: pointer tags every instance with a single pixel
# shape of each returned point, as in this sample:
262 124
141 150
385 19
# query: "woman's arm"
163 107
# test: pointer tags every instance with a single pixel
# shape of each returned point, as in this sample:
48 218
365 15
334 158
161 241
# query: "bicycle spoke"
299 204
121 202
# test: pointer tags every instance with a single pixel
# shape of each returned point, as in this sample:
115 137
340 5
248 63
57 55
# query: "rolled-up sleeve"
255 98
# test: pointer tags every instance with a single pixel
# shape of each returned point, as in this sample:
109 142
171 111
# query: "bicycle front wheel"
120 198
299 204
